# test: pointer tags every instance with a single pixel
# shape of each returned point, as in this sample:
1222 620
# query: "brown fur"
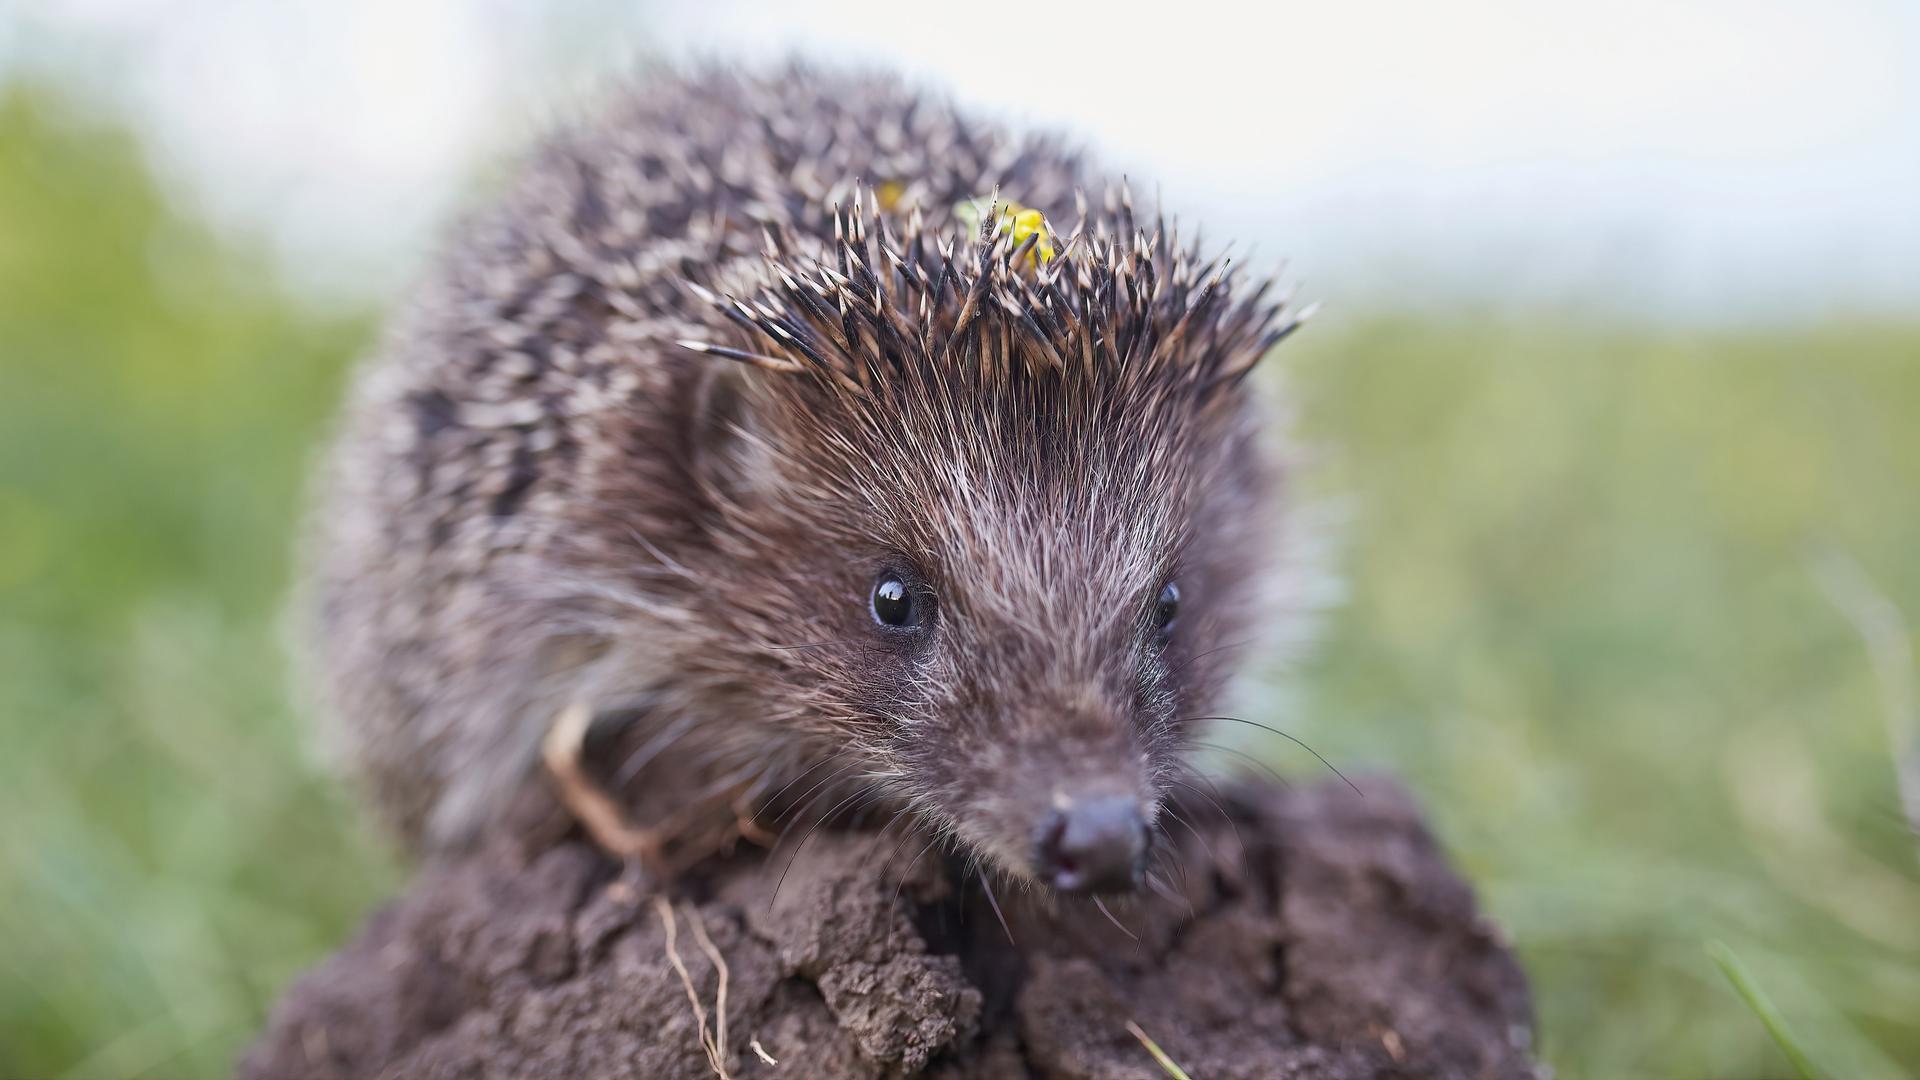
555 483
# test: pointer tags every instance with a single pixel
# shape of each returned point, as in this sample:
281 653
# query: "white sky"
1695 158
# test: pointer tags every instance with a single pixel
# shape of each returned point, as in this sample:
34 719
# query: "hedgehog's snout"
1092 844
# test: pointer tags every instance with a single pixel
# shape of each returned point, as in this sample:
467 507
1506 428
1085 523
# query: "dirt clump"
1306 933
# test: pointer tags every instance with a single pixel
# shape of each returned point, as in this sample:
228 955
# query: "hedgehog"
787 446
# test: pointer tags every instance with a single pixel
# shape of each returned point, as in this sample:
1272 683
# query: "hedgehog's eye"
1166 609
892 601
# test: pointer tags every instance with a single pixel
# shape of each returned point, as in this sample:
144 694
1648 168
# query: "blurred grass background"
1586 621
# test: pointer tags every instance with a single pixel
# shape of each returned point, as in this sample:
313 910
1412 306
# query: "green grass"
1583 621
171 852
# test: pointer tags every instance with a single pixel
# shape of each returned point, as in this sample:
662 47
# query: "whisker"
1205 845
1101 904
1244 756
808 771
797 848
1165 892
1289 738
911 863
902 883
1219 809
886 797
813 794
994 902
1183 664
823 790
1169 855
906 834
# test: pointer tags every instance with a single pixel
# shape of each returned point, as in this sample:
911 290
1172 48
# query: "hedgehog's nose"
1093 845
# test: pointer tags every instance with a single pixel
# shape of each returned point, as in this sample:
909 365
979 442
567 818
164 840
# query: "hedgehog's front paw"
605 820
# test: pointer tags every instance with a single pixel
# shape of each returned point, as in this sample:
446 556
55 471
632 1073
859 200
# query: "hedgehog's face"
1032 671
1012 623
1011 513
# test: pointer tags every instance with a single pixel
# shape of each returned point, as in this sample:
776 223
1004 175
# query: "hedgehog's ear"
727 452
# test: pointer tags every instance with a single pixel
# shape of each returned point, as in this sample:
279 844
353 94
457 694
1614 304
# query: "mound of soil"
1307 933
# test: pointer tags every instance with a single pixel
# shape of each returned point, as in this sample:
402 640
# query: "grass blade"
1757 1000
1159 1055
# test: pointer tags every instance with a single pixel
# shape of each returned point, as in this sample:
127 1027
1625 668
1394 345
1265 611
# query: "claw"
603 818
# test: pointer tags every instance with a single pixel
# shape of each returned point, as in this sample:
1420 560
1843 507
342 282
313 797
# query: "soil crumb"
1308 933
